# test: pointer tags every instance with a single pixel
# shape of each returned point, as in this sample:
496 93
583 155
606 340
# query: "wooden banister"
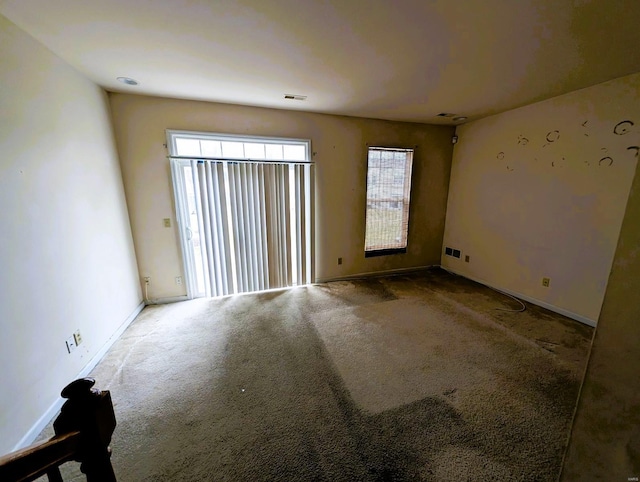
83 433
39 459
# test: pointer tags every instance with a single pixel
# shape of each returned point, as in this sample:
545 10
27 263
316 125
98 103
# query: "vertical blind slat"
216 280
240 225
254 206
233 225
268 215
300 239
201 263
280 247
263 224
275 228
253 258
206 242
244 226
224 243
287 223
310 195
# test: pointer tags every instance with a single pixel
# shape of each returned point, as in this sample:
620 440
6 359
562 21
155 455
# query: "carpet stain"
405 378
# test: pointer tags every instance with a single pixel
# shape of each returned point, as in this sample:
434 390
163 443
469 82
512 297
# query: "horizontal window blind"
388 196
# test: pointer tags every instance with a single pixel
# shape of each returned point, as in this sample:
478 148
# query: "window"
388 192
245 210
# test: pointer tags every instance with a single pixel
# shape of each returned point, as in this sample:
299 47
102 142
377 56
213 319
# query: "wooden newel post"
89 411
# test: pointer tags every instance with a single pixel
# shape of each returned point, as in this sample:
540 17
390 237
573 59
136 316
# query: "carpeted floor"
413 377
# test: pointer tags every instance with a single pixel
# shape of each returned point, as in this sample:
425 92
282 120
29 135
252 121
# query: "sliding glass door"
245 212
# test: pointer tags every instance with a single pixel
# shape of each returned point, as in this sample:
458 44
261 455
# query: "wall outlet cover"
71 344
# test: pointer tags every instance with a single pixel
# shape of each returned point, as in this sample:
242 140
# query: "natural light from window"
388 195
246 207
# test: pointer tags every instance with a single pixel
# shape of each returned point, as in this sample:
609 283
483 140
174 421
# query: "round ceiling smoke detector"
459 118
127 80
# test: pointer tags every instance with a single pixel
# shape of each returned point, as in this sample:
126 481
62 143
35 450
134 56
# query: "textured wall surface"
540 191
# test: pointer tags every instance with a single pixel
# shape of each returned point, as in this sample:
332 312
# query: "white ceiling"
390 59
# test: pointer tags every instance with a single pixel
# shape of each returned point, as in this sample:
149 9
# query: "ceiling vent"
295 97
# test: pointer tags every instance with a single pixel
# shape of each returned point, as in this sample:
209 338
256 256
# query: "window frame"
369 253
173 135
176 161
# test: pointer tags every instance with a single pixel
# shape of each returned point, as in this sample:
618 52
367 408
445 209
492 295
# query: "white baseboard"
105 348
374 274
55 407
530 299
170 299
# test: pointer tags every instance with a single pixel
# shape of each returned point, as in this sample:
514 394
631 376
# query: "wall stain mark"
609 159
553 136
522 141
500 155
637 149
553 163
623 127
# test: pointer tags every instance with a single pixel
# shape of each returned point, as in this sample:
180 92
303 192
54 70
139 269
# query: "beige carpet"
389 379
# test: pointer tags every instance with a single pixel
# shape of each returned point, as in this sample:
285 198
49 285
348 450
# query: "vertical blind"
253 223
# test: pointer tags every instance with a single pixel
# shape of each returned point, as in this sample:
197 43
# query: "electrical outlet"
179 280
77 337
147 280
167 222
71 344
339 260
545 282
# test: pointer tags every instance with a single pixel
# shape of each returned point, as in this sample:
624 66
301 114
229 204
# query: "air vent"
295 97
452 252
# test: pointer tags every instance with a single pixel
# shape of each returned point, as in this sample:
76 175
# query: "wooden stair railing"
83 433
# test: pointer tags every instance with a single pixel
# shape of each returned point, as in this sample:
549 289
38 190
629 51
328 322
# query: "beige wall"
605 438
65 245
527 202
339 144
